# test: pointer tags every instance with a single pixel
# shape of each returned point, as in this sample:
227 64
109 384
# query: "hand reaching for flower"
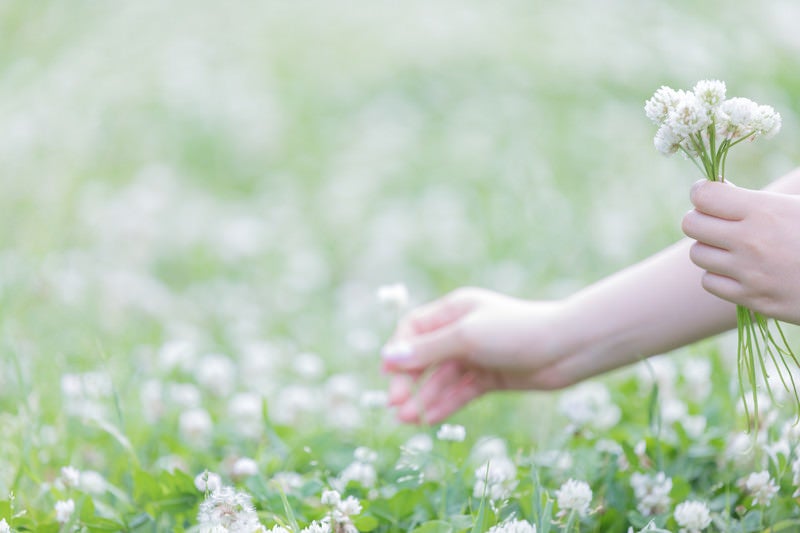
748 242
475 341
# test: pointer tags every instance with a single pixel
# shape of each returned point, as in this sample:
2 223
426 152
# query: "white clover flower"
418 444
244 467
64 510
696 374
4 527
735 117
652 492
309 366
574 496
330 498
207 481
70 476
317 527
230 509
496 479
692 516
92 482
394 295
488 448
694 425
216 373
365 455
350 506
711 93
451 432
374 399
766 121
589 405
195 425
662 102
245 410
362 473
513 526
761 486
689 116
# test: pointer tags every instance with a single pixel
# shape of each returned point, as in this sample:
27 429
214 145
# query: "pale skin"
743 247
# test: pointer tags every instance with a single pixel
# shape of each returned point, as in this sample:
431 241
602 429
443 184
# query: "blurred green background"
225 173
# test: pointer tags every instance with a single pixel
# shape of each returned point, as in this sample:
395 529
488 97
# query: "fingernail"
398 351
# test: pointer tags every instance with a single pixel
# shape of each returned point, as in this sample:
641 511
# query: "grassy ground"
191 178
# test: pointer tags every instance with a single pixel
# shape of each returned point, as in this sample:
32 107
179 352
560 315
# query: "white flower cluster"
340 518
64 510
229 510
4 527
589 405
574 496
694 121
496 479
652 492
513 526
692 516
451 432
761 487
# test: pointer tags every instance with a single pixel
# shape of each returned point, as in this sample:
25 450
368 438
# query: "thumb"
421 351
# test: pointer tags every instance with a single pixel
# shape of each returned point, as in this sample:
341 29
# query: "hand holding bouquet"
704 126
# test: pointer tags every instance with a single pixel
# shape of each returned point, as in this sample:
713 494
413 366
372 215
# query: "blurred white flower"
589 405
216 373
365 455
652 492
696 374
4 527
309 366
330 498
92 482
195 425
394 296
362 473
418 444
64 510
184 395
349 506
245 410
374 399
279 529
574 496
761 487
513 526
293 403
496 479
287 481
70 476
488 448
207 481
451 432
692 516
317 527
694 425
244 467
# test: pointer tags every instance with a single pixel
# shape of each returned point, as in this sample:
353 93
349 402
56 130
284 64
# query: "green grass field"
199 200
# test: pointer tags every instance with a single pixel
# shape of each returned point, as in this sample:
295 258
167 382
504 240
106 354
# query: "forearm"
788 184
649 308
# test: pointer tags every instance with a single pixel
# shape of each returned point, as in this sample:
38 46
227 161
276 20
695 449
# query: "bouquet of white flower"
704 125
